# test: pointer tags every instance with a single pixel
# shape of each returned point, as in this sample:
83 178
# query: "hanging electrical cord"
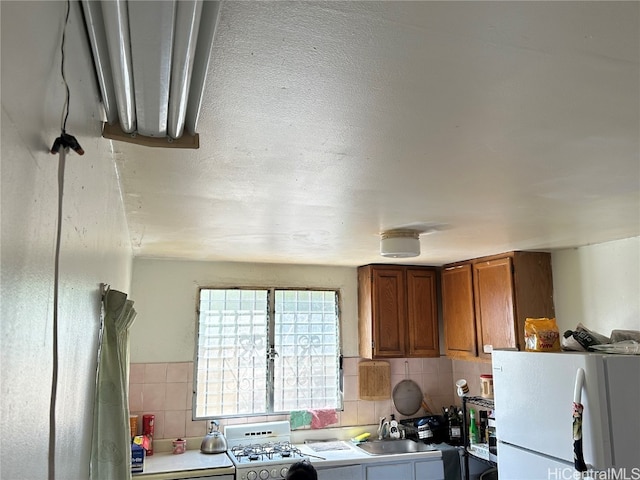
65 140
56 276
60 146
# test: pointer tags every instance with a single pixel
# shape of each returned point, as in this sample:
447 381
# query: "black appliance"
429 429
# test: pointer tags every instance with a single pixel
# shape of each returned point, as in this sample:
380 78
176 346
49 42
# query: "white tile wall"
165 390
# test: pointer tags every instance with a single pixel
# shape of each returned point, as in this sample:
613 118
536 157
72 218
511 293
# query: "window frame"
270 339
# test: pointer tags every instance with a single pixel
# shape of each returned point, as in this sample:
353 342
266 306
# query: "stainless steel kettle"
214 441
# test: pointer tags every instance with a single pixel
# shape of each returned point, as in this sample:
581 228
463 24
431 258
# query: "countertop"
336 453
164 465
192 463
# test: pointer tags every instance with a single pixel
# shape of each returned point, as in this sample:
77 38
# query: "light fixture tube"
208 23
98 40
184 49
116 20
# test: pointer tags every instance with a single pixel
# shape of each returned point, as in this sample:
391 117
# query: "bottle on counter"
445 416
148 428
394 432
455 427
473 427
483 435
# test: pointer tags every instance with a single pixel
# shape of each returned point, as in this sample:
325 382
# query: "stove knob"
252 475
283 471
264 474
274 472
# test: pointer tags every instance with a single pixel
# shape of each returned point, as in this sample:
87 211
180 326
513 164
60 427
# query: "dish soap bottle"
394 432
473 428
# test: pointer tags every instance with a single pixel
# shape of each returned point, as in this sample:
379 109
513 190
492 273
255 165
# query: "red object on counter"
148 422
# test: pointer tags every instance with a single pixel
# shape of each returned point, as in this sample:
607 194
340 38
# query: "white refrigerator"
534 394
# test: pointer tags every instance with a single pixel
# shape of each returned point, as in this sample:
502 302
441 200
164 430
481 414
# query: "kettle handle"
214 426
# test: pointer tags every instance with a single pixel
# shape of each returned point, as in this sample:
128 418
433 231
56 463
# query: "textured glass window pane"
232 346
302 321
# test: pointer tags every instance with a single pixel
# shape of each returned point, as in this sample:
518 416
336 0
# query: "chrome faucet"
383 428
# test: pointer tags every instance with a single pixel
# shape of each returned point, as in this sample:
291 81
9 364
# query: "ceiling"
495 125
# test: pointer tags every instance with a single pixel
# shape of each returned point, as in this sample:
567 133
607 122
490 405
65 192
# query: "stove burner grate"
274 451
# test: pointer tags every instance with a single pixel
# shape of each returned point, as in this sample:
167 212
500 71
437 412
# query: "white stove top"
261 450
265 454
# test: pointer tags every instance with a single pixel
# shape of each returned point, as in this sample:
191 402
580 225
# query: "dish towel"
299 418
451 461
323 417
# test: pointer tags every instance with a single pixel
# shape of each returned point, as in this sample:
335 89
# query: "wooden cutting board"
375 380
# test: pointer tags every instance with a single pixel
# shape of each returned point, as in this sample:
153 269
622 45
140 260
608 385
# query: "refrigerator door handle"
578 456
577 392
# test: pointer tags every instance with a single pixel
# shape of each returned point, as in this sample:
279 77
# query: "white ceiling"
504 125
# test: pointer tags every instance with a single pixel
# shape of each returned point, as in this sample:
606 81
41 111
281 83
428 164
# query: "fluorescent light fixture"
401 243
151 59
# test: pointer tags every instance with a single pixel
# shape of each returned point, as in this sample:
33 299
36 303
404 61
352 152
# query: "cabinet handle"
487 348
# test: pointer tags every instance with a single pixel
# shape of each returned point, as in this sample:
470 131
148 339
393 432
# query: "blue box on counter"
137 458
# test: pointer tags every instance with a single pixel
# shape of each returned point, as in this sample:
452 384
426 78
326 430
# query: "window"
267 351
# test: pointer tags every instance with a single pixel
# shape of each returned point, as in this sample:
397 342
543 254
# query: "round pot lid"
407 397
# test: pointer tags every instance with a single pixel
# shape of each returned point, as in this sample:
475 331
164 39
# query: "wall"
164 389
94 248
599 286
166 293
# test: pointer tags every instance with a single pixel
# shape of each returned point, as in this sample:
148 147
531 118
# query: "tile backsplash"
471 372
165 390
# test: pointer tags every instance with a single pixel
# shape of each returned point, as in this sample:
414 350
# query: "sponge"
361 438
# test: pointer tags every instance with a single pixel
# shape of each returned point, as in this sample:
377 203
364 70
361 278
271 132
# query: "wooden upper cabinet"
493 288
458 311
422 313
397 311
389 312
487 300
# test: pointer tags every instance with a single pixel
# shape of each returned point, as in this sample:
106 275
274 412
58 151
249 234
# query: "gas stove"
257 453
261 451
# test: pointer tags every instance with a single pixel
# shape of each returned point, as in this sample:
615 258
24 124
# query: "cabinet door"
422 313
532 289
458 311
495 317
398 471
351 472
429 470
389 312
